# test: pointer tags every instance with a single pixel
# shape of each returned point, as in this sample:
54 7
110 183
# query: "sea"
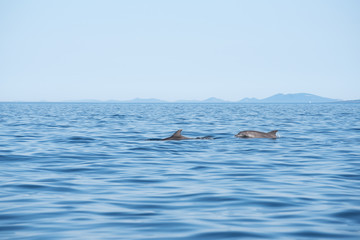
93 171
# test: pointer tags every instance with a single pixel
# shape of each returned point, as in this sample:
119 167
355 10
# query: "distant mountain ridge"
277 98
291 98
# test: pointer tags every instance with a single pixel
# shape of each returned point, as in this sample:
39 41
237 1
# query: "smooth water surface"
88 171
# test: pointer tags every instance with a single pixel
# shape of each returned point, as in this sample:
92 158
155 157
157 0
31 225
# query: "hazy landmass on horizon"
277 98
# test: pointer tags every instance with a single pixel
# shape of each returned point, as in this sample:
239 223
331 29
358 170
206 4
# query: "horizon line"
207 100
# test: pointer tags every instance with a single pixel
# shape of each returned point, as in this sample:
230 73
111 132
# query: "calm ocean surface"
88 171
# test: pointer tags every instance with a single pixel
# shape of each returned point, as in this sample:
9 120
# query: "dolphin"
177 136
256 134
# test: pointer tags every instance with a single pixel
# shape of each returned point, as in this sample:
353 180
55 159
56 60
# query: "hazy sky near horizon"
112 49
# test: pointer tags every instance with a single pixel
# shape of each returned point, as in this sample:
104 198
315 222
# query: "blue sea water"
88 171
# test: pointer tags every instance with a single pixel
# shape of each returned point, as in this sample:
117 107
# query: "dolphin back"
176 136
256 134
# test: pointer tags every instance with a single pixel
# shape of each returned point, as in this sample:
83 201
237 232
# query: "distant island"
291 98
277 98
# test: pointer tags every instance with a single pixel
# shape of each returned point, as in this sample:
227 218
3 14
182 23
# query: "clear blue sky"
186 49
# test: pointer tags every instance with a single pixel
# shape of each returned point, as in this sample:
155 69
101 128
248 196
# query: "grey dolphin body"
256 134
177 136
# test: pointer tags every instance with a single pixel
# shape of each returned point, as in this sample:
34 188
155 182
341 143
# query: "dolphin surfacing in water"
256 134
177 136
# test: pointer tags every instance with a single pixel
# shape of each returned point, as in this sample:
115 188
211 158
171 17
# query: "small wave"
351 214
79 139
71 170
197 168
140 149
63 126
209 199
138 180
272 204
126 215
11 228
12 158
37 187
121 116
228 235
317 235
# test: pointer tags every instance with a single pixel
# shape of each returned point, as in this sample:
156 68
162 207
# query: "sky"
63 50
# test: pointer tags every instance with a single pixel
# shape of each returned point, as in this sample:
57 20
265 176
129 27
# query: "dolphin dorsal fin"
273 133
177 133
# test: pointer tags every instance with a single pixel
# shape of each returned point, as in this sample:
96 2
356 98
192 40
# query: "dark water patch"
24 200
129 215
355 177
14 158
200 168
119 116
228 235
82 156
27 137
81 219
146 206
11 228
49 180
62 126
211 199
8 217
25 217
143 180
352 215
79 139
140 149
75 202
320 235
287 215
75 170
164 226
271 204
36 187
